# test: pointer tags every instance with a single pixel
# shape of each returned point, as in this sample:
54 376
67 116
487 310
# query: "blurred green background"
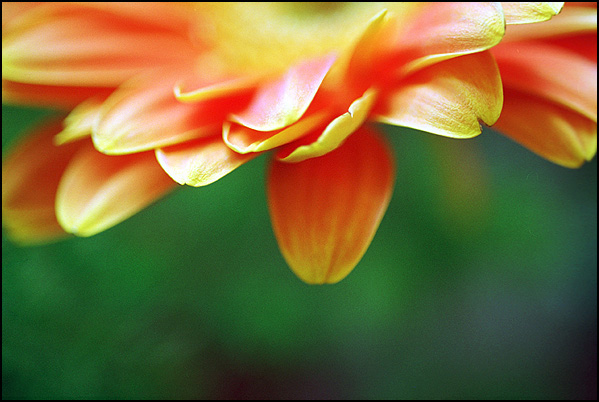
481 283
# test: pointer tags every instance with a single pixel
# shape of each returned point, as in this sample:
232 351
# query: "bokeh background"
481 283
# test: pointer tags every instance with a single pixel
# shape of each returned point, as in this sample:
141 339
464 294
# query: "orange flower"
165 93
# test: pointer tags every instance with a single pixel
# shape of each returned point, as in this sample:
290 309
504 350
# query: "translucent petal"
325 211
528 12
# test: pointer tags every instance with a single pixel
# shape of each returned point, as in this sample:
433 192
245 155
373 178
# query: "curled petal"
98 191
448 98
30 176
145 114
539 69
282 102
555 133
573 19
449 29
334 134
325 211
200 162
51 45
243 140
527 12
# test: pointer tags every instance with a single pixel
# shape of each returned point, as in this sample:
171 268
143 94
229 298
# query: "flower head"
163 93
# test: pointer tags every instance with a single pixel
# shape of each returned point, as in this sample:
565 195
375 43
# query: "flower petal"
571 20
448 98
30 176
527 12
145 114
334 134
51 45
243 140
325 211
98 191
446 30
79 123
538 69
202 161
281 102
555 132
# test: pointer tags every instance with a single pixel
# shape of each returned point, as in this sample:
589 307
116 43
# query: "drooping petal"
334 134
448 98
325 211
551 72
98 191
529 12
202 161
446 30
548 129
51 45
145 115
30 176
282 102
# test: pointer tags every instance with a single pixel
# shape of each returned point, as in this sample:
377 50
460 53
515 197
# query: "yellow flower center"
265 37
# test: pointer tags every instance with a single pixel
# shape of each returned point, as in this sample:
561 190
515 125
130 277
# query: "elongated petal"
528 12
448 98
283 101
98 191
548 129
56 97
52 45
449 29
334 134
551 72
200 162
145 115
325 211
30 176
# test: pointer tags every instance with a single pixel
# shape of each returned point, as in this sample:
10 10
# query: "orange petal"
449 29
548 129
448 98
282 102
30 176
74 45
527 12
551 72
334 134
56 97
200 162
325 211
145 115
98 191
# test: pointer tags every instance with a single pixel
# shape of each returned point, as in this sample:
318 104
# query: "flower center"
259 38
